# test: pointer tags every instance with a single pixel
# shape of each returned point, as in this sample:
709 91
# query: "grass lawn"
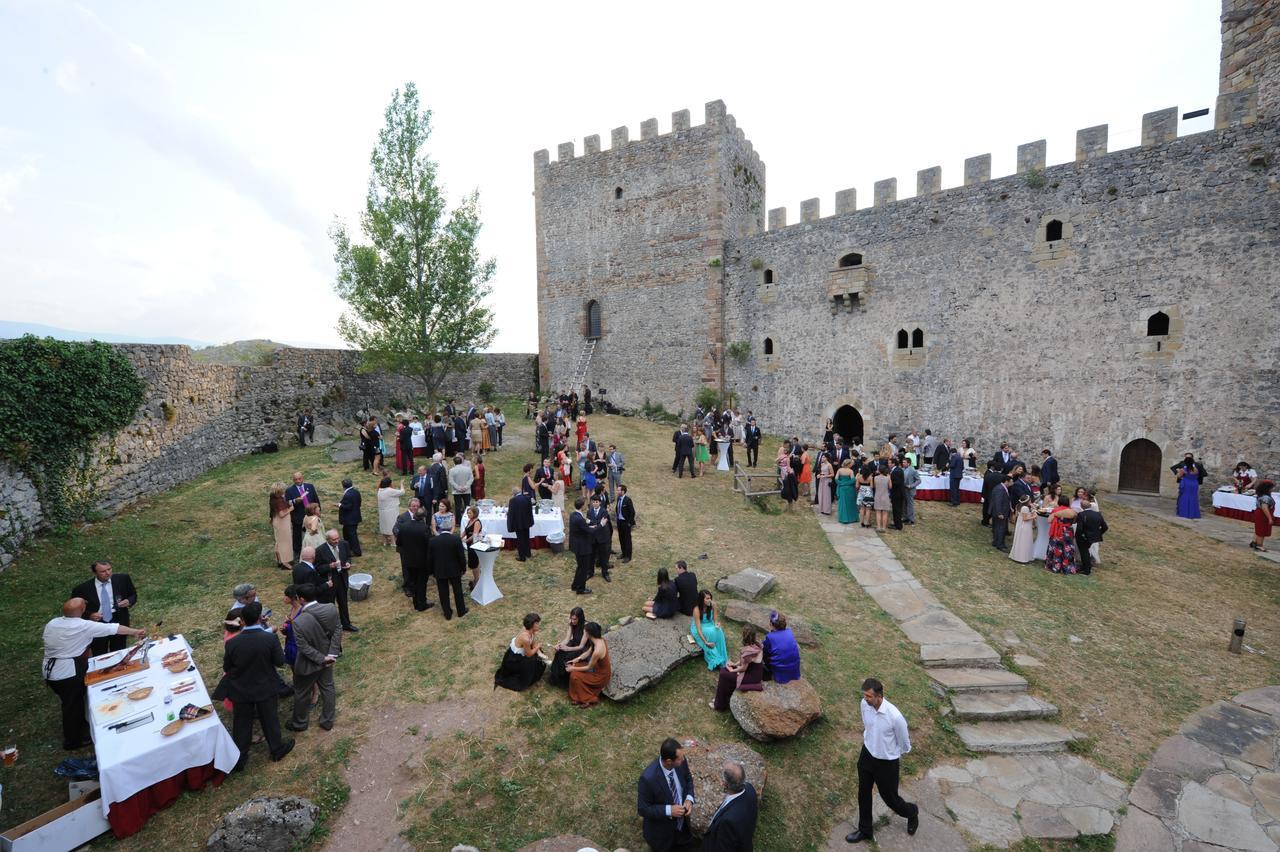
536 766
1154 619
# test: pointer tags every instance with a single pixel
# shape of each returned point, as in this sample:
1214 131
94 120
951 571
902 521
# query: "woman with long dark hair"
590 673
571 647
522 666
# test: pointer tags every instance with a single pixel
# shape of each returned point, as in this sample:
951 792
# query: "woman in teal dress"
846 493
706 631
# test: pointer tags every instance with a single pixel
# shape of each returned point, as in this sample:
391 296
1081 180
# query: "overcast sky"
171 169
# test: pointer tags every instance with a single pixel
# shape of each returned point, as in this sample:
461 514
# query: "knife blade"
129 684
124 722
133 723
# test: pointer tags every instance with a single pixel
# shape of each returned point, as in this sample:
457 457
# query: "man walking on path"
884 741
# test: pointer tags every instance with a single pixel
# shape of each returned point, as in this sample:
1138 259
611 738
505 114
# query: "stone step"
978 679
1000 706
1014 737
963 654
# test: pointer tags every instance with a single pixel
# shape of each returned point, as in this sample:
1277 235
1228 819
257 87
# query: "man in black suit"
942 456
1019 487
543 477
993 477
897 492
305 572
1090 526
108 597
733 826
625 517
588 443
405 439
1003 457
542 438
413 537
249 662
601 535
684 451
520 522
686 587
751 437
1001 506
664 799
461 434
300 495
424 487
439 479
583 547
306 428
334 557
349 517
406 584
1048 468
447 559
955 473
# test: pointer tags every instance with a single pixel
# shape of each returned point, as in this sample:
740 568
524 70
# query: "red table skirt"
537 542
942 494
1238 514
128 817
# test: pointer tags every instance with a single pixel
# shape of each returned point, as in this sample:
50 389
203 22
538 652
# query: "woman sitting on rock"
706 631
574 644
590 673
781 651
745 674
522 666
666 601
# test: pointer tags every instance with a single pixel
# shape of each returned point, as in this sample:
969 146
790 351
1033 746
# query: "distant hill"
18 329
240 353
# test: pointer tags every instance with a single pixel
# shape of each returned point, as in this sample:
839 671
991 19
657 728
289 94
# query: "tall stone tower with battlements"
1121 308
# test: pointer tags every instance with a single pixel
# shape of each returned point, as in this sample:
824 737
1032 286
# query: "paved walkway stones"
1030 737
1215 782
1000 706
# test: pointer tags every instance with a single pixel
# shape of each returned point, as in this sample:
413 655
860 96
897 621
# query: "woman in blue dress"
1190 475
706 631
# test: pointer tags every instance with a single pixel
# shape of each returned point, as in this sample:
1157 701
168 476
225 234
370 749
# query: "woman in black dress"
574 644
666 601
472 533
522 666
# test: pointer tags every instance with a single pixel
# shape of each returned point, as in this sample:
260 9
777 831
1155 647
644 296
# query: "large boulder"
345 452
748 584
326 434
643 651
706 764
776 712
758 616
265 824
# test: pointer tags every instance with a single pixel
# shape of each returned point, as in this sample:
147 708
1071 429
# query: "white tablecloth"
495 523
419 440
1232 500
943 483
134 760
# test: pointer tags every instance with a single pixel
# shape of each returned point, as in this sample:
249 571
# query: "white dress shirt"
884 731
65 639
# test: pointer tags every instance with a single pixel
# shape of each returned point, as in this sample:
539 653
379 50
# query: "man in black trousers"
249 662
349 517
751 437
447 559
520 522
413 536
993 477
583 547
334 559
300 495
601 534
624 515
884 740
1001 503
897 492
684 452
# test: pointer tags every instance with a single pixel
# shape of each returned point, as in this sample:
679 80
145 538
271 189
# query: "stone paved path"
1215 782
1028 787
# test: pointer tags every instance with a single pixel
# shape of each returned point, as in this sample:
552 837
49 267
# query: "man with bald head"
733 826
305 572
65 640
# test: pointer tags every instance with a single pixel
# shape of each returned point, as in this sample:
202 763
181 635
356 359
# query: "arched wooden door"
593 319
1140 464
847 423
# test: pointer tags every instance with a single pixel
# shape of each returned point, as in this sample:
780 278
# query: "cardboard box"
62 829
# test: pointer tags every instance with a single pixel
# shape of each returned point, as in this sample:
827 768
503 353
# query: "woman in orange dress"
582 430
806 470
589 675
477 471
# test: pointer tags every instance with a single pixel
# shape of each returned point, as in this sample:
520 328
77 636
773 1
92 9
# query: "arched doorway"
847 423
593 319
1140 464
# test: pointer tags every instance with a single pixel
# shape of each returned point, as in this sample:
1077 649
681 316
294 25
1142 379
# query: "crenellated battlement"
715 115
1158 128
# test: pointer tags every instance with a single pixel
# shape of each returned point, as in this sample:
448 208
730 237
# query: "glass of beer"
10 755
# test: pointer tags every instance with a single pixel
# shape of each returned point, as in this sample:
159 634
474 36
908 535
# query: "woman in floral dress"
1060 558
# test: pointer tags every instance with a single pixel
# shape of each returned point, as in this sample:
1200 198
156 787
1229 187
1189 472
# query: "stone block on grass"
778 711
748 584
755 614
644 652
706 764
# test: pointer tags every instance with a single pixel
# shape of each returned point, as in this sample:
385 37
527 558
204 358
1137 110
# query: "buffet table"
141 770
1229 504
494 522
939 488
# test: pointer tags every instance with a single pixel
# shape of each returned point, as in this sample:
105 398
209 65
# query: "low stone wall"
195 416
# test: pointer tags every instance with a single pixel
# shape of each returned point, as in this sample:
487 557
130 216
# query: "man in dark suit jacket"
686 587
897 492
1003 457
315 629
589 444
1048 468
942 456
601 535
108 597
306 427
664 799
439 480
543 477
733 826
461 434
300 495
405 439
305 572
424 487
438 442
581 542
349 517
1001 506
624 514
334 558
751 437
684 451
993 477
1090 527
542 438
447 559
413 536
1019 488
249 662
520 522
955 473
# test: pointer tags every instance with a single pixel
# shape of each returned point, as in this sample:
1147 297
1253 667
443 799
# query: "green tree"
415 290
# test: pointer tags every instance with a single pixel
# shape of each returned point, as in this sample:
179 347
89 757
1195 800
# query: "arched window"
617 192
1157 324
768 276
593 319
850 259
1053 231
768 346
917 339
903 339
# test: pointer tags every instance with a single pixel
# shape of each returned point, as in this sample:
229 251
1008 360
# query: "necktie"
305 501
104 595
675 797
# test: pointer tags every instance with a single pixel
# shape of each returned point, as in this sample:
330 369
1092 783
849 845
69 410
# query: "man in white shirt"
65 641
461 476
884 741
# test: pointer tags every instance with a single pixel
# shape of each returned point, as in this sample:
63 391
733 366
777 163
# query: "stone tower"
630 245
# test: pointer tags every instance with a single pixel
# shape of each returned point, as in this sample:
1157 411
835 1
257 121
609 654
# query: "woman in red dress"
806 470
477 471
582 430
401 463
1264 516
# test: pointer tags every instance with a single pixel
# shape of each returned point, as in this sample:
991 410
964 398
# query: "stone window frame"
912 356
861 260
770 346
1158 345
768 278
586 319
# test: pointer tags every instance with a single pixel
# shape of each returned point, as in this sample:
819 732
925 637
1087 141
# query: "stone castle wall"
1251 51
195 416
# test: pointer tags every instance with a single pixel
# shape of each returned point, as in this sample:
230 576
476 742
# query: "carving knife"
121 727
